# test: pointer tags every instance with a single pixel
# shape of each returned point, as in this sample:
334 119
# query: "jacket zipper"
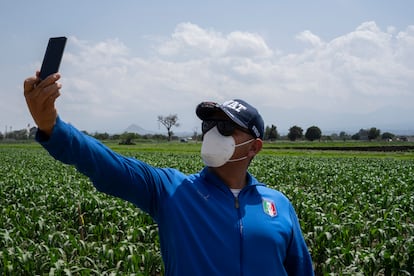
237 206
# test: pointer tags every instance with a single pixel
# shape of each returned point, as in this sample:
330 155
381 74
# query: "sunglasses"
225 127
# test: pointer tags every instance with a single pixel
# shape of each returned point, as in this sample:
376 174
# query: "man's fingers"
51 88
29 84
52 98
34 84
48 93
48 81
34 87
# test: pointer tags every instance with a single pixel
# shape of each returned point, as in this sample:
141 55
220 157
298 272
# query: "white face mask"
217 149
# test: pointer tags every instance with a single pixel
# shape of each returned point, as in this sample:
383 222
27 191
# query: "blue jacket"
203 228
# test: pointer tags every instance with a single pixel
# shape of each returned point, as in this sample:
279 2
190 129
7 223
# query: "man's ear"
256 147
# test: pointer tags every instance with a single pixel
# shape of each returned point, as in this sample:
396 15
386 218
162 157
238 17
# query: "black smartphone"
53 56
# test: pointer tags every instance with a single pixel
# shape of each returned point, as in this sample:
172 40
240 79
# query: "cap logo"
256 131
236 106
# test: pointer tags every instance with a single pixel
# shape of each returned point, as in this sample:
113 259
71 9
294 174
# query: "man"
220 221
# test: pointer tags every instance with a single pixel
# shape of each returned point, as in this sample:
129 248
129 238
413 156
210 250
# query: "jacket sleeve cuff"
56 139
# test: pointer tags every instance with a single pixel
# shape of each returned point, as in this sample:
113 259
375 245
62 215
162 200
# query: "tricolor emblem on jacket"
269 207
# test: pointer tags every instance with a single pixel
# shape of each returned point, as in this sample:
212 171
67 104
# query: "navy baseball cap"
239 111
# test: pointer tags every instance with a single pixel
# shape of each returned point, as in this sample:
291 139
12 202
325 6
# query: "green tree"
373 133
169 122
101 136
361 135
344 136
356 136
271 133
387 136
128 137
313 133
295 133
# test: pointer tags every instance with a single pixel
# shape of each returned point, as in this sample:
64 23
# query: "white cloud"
308 36
404 52
190 38
247 45
107 86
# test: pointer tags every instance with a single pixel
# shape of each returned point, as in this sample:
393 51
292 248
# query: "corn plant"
356 214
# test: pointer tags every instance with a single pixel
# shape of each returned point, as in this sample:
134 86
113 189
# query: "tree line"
295 133
271 134
313 133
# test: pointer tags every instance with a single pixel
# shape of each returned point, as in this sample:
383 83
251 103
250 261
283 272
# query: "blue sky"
336 64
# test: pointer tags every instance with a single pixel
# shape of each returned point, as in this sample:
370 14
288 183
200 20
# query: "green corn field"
356 213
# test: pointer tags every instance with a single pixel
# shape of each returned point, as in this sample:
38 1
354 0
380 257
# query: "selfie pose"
220 221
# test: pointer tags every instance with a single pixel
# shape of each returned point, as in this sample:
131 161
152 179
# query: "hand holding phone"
53 56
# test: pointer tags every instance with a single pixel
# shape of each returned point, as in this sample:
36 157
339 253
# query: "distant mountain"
139 130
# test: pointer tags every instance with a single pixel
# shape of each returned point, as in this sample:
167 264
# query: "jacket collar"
212 178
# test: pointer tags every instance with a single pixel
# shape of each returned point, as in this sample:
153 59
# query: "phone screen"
53 56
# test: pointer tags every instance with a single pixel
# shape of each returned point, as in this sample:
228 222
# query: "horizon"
136 128
142 131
